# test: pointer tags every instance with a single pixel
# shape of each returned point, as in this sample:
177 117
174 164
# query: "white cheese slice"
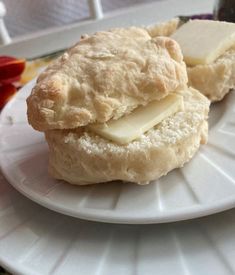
203 41
132 126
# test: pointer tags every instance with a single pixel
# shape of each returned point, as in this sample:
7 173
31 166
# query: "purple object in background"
208 16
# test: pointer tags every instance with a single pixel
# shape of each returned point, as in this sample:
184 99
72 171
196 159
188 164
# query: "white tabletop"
60 38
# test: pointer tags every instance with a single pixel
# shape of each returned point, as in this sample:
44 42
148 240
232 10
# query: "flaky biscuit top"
105 76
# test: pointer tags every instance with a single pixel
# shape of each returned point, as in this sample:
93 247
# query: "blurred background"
27 16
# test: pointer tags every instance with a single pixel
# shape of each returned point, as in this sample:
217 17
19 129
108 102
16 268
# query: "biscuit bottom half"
81 157
214 80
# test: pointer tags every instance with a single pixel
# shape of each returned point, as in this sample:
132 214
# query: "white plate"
36 241
204 186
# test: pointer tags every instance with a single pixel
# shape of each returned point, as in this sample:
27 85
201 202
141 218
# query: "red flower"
10 71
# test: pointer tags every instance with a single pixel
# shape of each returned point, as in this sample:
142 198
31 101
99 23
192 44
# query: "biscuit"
105 76
163 29
214 80
81 157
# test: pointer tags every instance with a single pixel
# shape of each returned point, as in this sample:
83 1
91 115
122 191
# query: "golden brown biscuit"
214 80
81 157
105 76
164 29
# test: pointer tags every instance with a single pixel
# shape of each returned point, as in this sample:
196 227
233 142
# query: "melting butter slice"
132 126
203 41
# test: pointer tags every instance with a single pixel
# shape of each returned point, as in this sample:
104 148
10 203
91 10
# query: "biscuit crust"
164 29
81 157
214 80
105 76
